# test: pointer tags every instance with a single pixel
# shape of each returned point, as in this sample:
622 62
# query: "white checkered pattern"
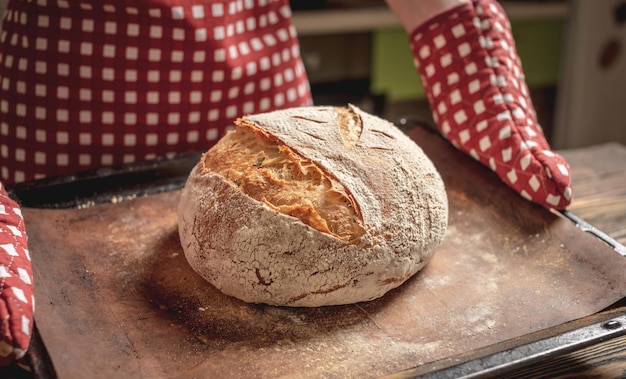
473 77
17 302
90 83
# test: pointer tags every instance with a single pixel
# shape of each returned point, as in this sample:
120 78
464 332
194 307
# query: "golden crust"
271 172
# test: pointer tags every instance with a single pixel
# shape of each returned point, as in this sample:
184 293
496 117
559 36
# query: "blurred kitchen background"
572 52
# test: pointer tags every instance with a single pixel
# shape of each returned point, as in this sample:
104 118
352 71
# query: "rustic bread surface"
312 206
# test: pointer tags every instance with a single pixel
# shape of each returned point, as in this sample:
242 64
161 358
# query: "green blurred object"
394 75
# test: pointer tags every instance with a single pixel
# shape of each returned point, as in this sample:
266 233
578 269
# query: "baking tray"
128 183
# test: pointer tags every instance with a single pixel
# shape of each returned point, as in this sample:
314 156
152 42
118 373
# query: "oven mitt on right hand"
470 69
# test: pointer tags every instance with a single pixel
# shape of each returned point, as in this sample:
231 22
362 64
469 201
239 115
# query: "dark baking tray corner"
106 184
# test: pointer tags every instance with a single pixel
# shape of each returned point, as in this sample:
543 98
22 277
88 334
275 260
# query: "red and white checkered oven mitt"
472 74
16 283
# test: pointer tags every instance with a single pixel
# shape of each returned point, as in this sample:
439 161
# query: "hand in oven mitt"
468 63
16 285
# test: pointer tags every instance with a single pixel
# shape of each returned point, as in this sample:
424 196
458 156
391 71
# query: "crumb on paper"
87 204
112 200
119 199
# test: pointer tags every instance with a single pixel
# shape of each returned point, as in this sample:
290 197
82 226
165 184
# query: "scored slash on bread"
312 206
285 181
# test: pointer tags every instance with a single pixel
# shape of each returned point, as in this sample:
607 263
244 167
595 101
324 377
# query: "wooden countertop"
599 182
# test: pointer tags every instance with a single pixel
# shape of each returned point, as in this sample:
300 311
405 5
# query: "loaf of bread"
312 206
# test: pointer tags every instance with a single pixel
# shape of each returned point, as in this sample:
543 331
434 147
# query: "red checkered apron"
85 84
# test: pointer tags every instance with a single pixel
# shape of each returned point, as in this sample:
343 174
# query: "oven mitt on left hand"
16 284
468 63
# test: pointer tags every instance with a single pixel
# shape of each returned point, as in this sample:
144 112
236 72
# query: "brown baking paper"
116 298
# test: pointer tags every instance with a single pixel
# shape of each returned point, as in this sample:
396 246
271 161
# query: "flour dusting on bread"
312 206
